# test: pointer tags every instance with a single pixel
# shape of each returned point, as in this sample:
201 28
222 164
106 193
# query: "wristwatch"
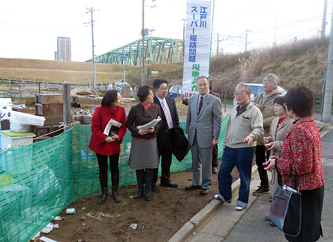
216 138
119 139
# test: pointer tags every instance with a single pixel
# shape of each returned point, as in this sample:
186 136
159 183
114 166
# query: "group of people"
278 129
147 146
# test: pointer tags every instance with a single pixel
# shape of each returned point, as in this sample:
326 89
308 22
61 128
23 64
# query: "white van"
257 88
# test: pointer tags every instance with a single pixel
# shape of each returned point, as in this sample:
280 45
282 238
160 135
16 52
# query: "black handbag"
286 207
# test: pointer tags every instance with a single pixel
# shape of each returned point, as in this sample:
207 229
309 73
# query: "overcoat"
100 119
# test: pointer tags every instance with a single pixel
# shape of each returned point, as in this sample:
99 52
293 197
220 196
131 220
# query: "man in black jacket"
166 133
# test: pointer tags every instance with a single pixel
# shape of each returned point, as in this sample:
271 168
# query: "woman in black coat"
144 154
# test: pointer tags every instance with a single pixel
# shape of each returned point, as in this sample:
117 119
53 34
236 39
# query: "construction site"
47 168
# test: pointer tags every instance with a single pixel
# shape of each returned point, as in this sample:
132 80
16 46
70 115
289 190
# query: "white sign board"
197 43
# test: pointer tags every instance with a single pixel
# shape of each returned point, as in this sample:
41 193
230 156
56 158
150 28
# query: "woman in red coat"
303 147
107 143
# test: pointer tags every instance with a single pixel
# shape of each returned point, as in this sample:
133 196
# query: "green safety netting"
37 181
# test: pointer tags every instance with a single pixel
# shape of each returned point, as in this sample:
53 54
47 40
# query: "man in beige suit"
203 126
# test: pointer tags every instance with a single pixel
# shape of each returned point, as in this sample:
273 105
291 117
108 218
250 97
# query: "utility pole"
217 43
143 41
91 10
275 33
323 24
184 21
246 33
329 79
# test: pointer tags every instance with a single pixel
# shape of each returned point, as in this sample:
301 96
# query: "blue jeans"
242 158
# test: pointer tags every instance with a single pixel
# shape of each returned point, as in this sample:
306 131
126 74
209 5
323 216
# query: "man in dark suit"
166 133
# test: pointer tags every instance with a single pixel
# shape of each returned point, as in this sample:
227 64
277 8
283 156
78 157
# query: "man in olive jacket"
265 102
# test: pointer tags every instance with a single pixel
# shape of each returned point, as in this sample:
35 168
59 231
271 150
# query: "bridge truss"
157 50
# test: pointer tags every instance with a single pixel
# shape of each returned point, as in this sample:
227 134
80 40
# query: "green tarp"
37 181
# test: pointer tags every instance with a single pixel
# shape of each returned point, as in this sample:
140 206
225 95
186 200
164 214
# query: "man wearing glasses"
215 148
243 129
166 133
203 126
265 102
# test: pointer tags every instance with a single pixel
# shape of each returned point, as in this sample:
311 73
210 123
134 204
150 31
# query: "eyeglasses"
202 85
163 88
239 93
267 81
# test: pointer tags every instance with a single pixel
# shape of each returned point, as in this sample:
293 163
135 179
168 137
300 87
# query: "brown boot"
103 178
115 184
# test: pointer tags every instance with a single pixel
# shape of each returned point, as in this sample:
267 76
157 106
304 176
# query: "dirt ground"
156 220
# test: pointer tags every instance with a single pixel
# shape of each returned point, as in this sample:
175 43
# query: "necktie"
167 115
200 104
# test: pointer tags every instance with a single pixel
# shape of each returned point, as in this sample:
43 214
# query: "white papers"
45 239
149 125
110 124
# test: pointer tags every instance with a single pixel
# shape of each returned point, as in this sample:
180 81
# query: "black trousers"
103 163
165 151
261 158
214 156
312 206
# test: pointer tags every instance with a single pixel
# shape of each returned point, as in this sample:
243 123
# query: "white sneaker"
240 208
218 197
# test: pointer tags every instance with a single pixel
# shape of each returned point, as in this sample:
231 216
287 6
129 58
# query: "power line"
288 25
39 26
242 11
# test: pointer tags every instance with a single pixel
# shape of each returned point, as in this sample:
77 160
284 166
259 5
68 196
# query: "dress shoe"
168 184
272 224
204 192
153 187
260 191
215 170
192 188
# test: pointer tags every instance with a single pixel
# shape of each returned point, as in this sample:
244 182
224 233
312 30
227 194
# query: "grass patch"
28 101
313 62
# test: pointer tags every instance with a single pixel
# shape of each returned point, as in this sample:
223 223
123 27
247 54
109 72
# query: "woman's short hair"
109 97
300 100
143 92
281 101
247 88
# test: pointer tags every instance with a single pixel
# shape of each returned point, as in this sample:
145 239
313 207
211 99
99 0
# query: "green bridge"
157 50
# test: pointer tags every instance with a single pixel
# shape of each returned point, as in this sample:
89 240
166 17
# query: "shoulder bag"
286 207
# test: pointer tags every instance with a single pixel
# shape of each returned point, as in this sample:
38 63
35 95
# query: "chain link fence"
225 87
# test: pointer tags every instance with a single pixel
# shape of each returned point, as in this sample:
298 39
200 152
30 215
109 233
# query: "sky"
29 29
